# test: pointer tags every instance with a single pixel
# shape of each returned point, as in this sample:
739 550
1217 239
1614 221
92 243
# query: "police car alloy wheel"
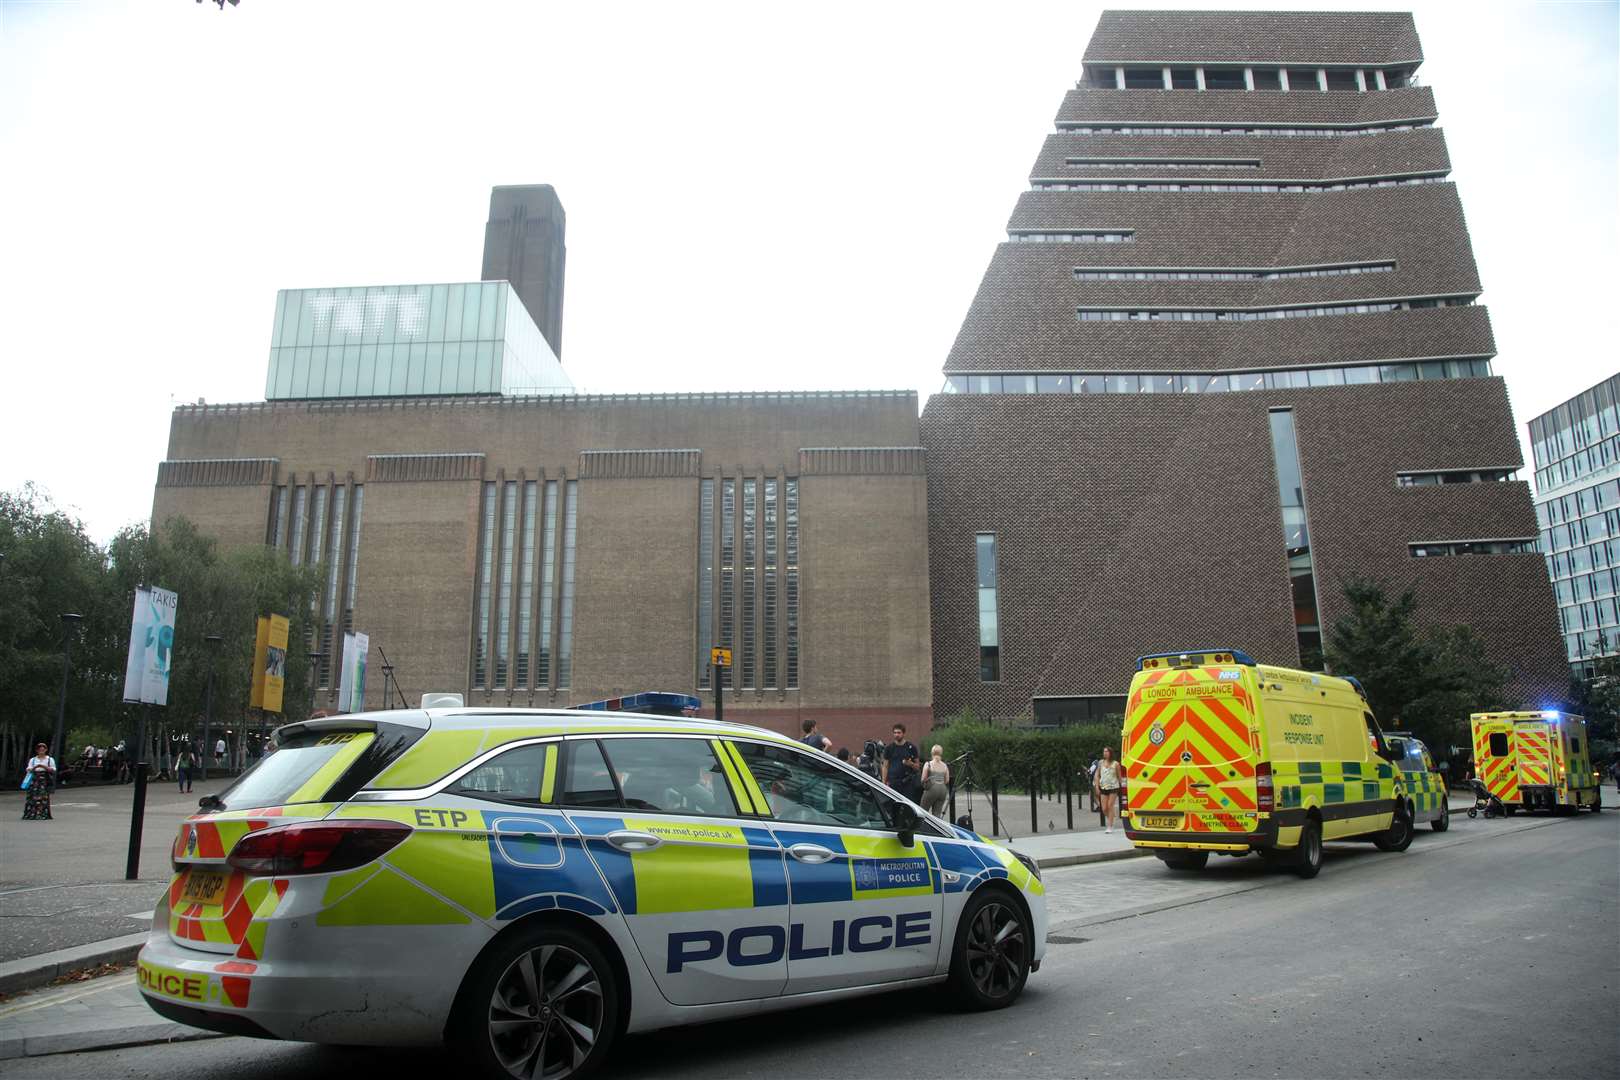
991 960
543 1005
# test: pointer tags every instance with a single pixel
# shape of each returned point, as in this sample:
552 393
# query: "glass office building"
407 340
1576 448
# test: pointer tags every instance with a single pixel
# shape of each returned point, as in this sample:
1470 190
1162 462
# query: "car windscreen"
293 773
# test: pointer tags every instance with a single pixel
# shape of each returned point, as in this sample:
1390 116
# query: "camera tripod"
962 777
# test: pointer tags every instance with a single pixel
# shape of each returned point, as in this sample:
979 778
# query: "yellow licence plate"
204 887
1158 821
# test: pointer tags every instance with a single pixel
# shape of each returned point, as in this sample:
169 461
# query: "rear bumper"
337 998
1263 837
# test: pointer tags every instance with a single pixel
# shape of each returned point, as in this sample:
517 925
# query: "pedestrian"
936 779
1108 788
812 737
38 777
219 751
843 754
900 763
184 766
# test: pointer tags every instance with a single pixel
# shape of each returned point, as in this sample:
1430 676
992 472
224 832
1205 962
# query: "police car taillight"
1264 794
319 847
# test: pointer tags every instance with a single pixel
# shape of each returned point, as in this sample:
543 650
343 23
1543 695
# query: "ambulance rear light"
1193 658
319 847
1265 799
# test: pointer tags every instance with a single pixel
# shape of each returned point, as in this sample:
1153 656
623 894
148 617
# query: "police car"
529 885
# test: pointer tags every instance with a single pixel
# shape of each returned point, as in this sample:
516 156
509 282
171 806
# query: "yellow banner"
275 663
261 642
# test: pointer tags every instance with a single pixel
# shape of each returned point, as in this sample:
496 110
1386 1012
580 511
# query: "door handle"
810 853
630 840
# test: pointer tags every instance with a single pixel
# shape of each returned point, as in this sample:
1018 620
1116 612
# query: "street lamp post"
70 623
213 641
314 679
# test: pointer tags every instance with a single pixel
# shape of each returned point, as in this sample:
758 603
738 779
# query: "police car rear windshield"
279 777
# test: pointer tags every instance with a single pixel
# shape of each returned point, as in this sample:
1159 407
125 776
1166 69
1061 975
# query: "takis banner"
151 646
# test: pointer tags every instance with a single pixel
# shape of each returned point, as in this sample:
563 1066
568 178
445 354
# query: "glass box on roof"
408 340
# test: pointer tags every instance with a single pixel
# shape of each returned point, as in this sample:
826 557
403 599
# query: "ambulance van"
1536 761
1227 755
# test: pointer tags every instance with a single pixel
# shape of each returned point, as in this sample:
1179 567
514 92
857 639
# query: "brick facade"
1128 524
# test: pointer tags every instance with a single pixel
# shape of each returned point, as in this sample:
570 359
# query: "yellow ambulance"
1227 755
1536 760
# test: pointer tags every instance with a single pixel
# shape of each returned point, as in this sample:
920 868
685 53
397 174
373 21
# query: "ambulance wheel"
1443 822
1308 856
990 961
1398 837
1185 860
1474 812
545 1002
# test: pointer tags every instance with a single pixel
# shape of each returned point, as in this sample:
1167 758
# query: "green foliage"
1019 756
51 566
1423 680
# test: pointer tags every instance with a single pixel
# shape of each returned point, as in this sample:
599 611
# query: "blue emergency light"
649 702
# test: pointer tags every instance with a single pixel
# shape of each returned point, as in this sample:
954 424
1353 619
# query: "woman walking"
39 776
936 779
184 766
1108 787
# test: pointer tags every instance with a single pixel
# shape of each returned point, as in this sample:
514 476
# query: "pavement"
105 921
1439 961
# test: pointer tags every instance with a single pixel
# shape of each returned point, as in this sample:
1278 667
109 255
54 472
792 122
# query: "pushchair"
1484 801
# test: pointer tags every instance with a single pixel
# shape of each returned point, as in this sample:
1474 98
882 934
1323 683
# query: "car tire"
1185 860
1308 856
1398 837
500 1026
991 956
1443 822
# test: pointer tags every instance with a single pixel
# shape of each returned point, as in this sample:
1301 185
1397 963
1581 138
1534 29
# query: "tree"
1377 641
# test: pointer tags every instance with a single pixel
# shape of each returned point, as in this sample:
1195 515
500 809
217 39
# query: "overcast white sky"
759 196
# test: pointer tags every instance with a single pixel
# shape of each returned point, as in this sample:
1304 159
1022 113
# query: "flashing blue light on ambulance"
1549 714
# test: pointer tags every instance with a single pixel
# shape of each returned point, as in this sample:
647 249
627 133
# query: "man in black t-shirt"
813 738
901 769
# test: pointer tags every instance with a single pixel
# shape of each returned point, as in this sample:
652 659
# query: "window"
1089 236
548 586
278 517
1486 547
486 565
790 584
525 584
728 574
1264 79
1267 79
1455 476
1432 369
705 616
671 776
1224 79
801 788
300 501
503 590
1144 78
586 779
1163 163
1342 82
1296 537
1499 744
1302 79
565 616
1183 78
989 627
1205 185
750 580
515 776
1226 273
768 678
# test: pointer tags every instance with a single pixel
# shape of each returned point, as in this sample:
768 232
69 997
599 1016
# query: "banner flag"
261 641
151 646
352 688
275 663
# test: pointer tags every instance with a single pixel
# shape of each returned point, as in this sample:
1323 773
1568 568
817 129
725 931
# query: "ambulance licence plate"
204 887
1158 821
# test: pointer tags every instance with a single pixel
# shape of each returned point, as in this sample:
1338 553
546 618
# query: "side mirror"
905 823
209 802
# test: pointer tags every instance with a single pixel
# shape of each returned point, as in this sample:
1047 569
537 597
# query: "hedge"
1015 756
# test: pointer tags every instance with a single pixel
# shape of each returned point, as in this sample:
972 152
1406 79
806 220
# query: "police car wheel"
543 1005
1399 835
990 962
1443 822
1308 856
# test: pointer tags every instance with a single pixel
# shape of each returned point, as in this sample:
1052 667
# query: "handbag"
28 778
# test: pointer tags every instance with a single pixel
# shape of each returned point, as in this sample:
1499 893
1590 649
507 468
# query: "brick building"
1229 356
498 534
